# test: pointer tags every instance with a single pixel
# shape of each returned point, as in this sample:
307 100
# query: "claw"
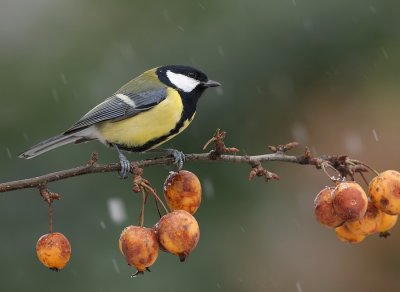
125 164
179 157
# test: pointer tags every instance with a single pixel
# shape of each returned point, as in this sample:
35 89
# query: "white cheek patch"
183 82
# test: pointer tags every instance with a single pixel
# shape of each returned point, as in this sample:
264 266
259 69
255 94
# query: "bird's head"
185 79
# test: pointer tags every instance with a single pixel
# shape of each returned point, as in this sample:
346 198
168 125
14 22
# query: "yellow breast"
146 126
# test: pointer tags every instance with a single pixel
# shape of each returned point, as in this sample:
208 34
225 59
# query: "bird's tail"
49 144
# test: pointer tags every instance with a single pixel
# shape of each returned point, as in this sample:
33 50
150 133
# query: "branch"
342 164
116 167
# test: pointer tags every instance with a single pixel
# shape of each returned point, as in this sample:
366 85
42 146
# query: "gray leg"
125 164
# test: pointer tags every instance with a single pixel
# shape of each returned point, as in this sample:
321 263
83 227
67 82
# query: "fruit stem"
158 207
364 179
324 167
149 188
366 165
51 217
141 216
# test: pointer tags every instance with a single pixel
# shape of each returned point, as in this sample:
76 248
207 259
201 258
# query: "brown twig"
283 148
116 167
219 145
259 170
344 165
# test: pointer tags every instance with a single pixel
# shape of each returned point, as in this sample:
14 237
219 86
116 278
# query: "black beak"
211 83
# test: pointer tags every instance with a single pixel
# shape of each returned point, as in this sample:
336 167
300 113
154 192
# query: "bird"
144 113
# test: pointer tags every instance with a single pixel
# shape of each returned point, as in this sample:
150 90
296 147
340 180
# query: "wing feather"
115 108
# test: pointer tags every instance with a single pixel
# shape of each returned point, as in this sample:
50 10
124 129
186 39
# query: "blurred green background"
324 73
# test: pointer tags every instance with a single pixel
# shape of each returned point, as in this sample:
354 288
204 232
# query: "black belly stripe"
189 101
158 140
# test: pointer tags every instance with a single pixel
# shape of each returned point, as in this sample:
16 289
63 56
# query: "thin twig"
366 165
342 164
116 167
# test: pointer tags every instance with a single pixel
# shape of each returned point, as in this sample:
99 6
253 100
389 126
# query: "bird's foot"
179 157
125 164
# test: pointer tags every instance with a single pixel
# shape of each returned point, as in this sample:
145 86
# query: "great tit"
140 116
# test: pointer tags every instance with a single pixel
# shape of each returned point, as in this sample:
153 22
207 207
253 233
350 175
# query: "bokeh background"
324 73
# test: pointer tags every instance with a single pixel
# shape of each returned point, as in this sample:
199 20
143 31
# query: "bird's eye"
192 75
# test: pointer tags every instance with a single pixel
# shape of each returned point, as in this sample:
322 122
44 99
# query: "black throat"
189 100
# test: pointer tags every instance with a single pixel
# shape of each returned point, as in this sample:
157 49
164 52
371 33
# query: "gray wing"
119 107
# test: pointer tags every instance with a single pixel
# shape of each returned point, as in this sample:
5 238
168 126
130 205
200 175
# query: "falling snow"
372 9
102 224
298 286
115 264
221 51
55 95
166 15
208 188
201 6
384 53
63 79
9 153
375 135
26 137
116 208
